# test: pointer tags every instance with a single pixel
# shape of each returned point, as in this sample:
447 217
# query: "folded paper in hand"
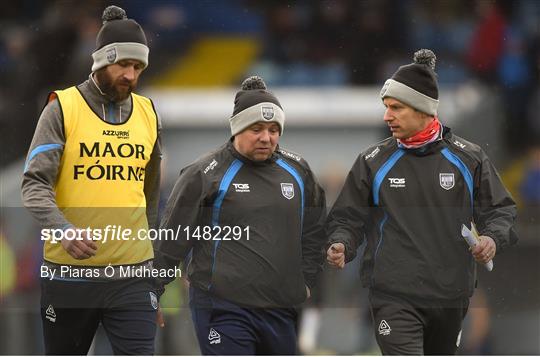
471 237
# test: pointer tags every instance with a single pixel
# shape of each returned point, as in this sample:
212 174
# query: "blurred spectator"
487 43
530 186
286 28
515 78
80 60
372 30
16 62
53 44
533 110
327 33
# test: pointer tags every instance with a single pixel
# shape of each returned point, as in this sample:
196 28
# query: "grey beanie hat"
254 103
119 38
415 84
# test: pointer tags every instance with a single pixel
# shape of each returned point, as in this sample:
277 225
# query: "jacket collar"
431 147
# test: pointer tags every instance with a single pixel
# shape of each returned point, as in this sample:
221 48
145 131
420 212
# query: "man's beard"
107 86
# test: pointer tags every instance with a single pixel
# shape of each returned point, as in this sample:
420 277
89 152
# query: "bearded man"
93 167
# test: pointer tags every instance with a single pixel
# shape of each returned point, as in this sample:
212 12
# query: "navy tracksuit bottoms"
224 328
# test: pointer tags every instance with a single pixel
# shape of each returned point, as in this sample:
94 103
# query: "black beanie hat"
415 84
254 103
119 38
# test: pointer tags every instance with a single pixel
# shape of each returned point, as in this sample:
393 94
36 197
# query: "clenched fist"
335 255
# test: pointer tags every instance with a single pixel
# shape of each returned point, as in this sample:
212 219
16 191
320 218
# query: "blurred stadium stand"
326 61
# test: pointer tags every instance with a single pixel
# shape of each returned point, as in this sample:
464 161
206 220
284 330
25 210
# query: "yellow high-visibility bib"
100 182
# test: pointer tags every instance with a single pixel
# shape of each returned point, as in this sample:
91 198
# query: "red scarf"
428 135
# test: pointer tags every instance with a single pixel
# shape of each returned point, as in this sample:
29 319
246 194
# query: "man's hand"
160 321
335 255
80 249
308 292
484 250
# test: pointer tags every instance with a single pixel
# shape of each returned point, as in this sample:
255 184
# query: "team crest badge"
153 300
446 180
111 54
287 190
267 113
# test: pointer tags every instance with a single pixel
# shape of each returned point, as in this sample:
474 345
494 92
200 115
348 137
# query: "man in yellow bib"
91 180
